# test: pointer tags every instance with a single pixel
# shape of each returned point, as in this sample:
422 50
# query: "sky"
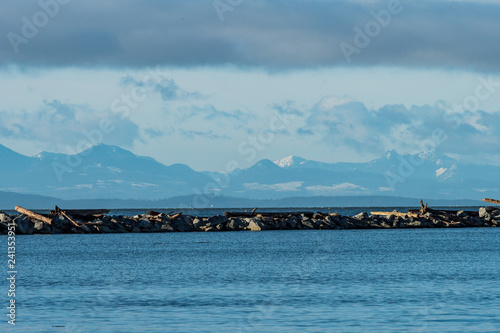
208 82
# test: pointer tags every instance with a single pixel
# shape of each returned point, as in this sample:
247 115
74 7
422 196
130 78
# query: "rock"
24 225
118 227
482 212
209 228
145 224
104 229
41 228
235 224
385 225
166 227
216 220
4 218
361 216
414 224
346 223
85 228
291 222
461 214
254 226
198 223
179 225
307 224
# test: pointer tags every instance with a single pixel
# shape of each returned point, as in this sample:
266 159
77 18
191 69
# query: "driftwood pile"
96 221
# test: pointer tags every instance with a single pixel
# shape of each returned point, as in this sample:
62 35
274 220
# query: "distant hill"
9 200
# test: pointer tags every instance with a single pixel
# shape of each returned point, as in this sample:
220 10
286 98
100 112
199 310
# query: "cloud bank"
339 122
274 35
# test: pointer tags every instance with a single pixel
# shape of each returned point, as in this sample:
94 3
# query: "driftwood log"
493 201
33 215
63 214
395 214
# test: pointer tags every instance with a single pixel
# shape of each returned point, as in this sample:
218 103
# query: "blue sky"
206 82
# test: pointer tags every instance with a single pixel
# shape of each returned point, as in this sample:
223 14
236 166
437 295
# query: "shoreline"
68 222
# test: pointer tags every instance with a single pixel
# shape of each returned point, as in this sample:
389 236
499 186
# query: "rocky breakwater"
60 222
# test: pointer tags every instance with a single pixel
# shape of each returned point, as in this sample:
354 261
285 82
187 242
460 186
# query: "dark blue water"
419 280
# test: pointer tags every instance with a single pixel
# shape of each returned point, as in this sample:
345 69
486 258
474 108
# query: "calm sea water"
419 280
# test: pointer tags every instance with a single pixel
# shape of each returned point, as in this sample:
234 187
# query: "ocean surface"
397 280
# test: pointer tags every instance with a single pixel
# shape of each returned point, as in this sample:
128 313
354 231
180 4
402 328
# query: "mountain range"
111 172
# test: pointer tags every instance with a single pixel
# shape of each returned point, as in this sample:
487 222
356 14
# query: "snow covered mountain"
111 172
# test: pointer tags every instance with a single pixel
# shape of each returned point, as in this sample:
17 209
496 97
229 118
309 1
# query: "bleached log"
33 215
493 201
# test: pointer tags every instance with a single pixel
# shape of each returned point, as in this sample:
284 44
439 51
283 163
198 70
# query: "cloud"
58 124
281 187
166 87
203 134
271 34
211 113
340 188
338 122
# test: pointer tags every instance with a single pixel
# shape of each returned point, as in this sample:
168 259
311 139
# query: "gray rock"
182 224
254 226
38 226
461 214
216 220
291 223
24 225
482 212
198 223
414 224
235 224
86 229
361 216
4 218
307 224
104 229
166 227
145 224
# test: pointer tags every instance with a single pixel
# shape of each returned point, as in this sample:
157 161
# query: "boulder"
216 220
4 218
41 228
235 224
85 228
145 224
361 216
104 229
23 225
482 212
307 224
166 227
254 226
198 223
291 223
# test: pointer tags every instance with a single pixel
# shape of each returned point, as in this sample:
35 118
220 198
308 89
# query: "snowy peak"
290 161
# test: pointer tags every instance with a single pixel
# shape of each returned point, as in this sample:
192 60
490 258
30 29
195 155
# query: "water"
415 280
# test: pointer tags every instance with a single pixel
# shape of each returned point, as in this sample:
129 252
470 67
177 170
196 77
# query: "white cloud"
339 188
281 187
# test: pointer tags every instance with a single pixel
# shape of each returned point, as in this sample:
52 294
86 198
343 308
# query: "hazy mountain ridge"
111 172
